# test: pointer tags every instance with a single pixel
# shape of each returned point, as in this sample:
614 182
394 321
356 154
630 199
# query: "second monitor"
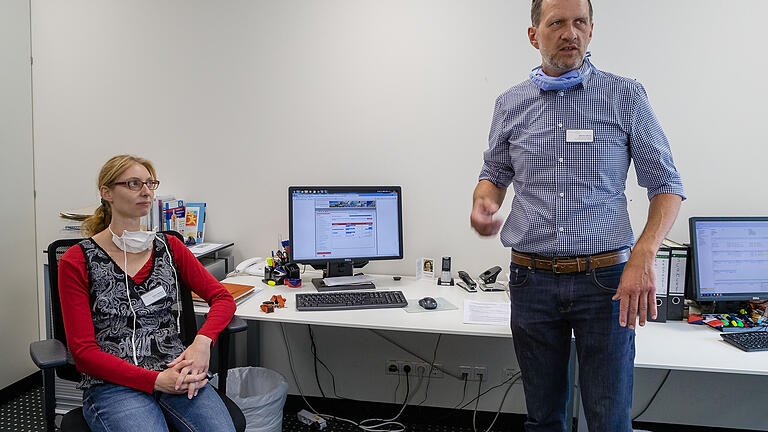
337 228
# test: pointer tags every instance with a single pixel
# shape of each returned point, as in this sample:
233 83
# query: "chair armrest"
48 353
236 325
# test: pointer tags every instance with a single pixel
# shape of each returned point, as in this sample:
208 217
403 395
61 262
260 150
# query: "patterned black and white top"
158 339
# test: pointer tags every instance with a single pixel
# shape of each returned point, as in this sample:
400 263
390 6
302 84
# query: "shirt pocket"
604 160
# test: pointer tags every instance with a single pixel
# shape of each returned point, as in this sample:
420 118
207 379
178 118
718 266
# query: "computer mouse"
428 303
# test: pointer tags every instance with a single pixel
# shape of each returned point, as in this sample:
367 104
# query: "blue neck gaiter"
564 81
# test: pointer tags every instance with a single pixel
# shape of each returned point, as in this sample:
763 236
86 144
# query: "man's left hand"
637 290
200 354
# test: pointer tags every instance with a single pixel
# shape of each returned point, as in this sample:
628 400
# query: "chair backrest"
55 251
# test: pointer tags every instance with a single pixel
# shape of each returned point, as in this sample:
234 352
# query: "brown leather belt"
571 264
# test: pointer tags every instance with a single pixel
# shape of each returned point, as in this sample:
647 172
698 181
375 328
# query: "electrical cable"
477 402
446 372
463 392
513 377
372 428
431 367
314 355
501 404
391 421
322 363
417 387
397 387
654 395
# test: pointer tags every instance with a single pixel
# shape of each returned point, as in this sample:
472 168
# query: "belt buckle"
554 265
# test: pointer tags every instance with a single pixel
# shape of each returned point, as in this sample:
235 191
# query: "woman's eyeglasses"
135 184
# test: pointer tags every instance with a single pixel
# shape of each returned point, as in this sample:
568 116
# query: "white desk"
436 321
672 345
682 346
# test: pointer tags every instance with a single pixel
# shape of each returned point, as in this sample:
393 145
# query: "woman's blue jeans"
111 407
546 307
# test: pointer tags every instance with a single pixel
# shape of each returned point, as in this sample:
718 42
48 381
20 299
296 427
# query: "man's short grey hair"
536 11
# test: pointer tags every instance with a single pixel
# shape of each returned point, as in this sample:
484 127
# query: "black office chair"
52 354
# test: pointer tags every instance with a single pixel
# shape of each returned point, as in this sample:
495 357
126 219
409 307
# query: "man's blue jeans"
545 308
111 407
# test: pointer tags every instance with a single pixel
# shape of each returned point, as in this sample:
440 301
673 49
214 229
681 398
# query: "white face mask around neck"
134 241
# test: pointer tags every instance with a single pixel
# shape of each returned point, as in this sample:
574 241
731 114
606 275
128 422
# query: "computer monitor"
730 258
337 228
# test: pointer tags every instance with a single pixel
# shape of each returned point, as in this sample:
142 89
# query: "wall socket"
417 368
474 372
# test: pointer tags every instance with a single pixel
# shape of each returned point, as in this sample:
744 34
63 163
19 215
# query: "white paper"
202 248
347 280
487 313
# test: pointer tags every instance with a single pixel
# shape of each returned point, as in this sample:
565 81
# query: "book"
238 291
175 216
195 222
157 212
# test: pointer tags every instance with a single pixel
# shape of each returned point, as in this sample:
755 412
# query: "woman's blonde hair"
110 172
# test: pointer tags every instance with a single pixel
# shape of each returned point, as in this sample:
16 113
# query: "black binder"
678 263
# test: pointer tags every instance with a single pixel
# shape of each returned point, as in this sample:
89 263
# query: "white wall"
235 101
18 307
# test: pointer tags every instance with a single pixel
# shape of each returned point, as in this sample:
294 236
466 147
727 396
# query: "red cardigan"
74 291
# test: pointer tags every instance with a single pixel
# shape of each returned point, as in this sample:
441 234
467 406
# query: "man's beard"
561 66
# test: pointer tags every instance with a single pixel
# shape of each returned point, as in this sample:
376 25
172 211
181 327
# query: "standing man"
564 139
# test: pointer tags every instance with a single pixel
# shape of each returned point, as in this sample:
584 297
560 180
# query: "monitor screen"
730 258
344 223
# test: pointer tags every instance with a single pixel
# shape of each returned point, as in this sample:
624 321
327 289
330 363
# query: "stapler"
489 280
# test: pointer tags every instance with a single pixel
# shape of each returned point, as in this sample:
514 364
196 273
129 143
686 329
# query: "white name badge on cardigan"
153 296
580 135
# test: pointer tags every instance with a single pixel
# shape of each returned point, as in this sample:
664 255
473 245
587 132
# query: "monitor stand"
335 270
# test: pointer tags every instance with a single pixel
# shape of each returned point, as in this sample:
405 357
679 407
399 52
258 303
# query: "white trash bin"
260 393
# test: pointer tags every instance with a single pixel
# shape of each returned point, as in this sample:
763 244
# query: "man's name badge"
153 296
580 135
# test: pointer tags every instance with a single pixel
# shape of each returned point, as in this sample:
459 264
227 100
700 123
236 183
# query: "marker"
734 321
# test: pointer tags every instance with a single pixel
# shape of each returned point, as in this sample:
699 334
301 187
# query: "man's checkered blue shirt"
569 196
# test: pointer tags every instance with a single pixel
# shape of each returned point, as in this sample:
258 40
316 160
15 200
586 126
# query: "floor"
24 413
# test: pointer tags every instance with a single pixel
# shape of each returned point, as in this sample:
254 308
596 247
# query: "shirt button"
559 125
560 93
560 160
561 229
562 195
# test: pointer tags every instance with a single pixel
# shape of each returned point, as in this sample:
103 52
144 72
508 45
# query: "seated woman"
121 310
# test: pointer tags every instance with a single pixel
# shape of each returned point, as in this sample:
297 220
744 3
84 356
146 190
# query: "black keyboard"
748 341
350 300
